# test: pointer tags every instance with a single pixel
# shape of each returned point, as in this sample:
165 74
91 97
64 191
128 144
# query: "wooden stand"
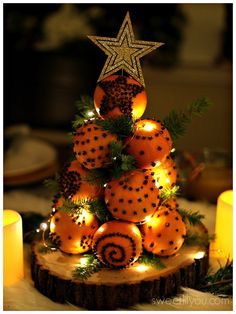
111 289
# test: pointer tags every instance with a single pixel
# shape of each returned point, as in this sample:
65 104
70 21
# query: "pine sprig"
127 162
53 184
95 207
98 208
116 149
150 259
85 271
70 207
193 239
123 125
198 107
176 122
85 111
169 192
121 162
194 218
97 177
221 282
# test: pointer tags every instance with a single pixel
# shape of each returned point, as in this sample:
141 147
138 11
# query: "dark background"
42 85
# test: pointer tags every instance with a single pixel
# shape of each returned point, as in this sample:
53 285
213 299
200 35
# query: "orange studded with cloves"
117 95
150 144
134 197
165 174
74 185
164 234
72 233
91 145
117 243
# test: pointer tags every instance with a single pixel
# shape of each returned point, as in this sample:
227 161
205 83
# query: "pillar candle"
12 248
223 244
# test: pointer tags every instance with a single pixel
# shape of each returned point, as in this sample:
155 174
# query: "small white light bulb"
141 268
83 261
90 114
43 226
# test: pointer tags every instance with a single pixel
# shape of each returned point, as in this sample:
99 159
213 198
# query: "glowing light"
173 150
158 163
141 268
199 255
157 184
148 218
83 261
43 226
136 230
224 225
52 226
37 230
85 214
167 180
149 127
102 229
90 113
54 209
105 185
13 265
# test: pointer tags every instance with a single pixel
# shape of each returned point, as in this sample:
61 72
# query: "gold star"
124 51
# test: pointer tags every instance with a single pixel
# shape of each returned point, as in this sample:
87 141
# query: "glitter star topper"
124 52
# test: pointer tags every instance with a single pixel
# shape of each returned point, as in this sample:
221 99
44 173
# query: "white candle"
12 248
222 247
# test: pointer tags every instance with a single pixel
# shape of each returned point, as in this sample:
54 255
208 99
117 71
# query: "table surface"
23 296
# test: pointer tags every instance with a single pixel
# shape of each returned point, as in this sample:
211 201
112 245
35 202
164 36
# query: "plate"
29 159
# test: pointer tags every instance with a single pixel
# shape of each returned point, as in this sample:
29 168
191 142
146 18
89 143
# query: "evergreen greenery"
121 162
70 207
123 125
221 282
197 239
150 259
97 176
176 122
169 192
85 111
194 218
85 271
53 184
98 208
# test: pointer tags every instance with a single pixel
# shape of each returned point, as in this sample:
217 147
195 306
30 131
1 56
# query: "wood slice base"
111 289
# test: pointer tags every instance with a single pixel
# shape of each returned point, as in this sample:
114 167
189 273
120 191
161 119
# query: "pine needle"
85 111
221 282
167 193
123 125
116 149
121 162
95 207
194 218
70 207
53 184
98 208
97 177
150 259
176 122
85 271
193 239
